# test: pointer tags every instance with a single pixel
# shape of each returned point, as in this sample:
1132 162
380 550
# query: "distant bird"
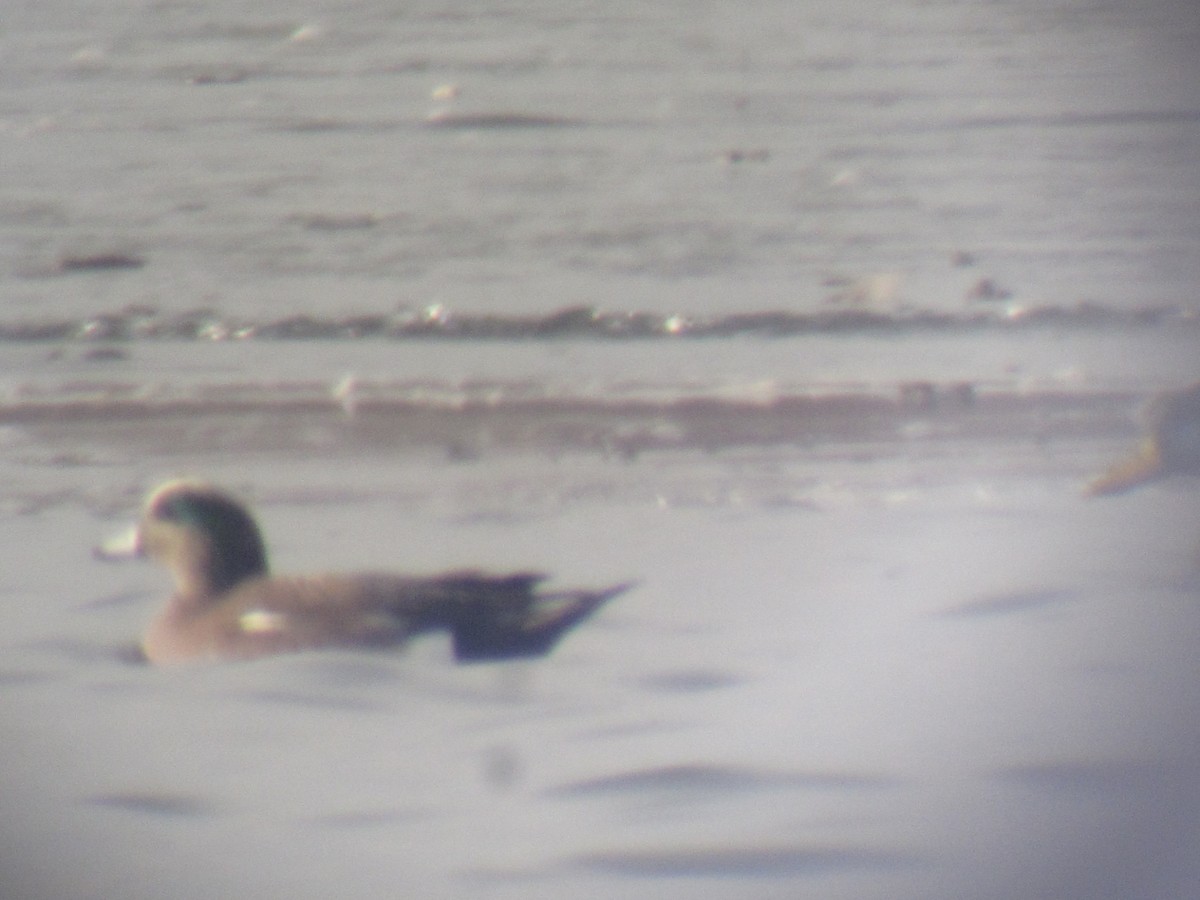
227 607
1172 445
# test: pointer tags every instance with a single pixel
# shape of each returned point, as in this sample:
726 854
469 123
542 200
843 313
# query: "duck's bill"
1145 465
126 545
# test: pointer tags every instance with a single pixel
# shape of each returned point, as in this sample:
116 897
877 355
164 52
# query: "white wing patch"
262 621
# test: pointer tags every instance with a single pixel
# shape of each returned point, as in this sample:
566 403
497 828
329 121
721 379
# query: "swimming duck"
1172 445
226 606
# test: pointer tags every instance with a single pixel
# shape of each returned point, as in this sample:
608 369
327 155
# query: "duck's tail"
1143 466
505 633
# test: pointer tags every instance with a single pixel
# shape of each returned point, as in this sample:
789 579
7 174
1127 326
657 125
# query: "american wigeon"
1172 445
226 606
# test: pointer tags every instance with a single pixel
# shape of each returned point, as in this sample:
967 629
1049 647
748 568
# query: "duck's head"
205 538
1172 444
1175 422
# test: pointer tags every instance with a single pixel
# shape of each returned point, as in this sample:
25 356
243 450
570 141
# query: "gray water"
812 318
267 159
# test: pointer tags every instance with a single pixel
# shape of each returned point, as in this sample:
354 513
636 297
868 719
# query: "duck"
227 605
1171 445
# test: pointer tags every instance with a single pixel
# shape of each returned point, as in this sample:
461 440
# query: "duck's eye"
183 510
172 509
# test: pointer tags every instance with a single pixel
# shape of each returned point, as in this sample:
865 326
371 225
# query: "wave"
466 420
577 322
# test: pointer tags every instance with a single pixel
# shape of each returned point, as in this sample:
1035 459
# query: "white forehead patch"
175 485
262 621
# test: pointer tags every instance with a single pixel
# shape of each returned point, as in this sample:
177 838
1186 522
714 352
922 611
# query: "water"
266 161
814 320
